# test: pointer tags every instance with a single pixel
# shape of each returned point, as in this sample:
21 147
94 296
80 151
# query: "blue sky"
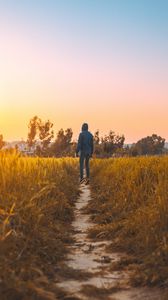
107 54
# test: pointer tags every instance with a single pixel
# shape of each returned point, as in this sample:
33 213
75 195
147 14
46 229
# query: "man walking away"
85 148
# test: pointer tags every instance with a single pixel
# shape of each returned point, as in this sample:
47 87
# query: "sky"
104 62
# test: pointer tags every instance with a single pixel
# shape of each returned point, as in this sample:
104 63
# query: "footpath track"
92 263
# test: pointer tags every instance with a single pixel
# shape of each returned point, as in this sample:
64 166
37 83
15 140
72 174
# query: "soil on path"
88 265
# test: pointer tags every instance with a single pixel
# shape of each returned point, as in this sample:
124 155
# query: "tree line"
41 141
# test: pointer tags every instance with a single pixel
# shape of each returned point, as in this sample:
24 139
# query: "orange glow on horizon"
69 73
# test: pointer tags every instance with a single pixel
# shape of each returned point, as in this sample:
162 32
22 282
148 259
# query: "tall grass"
36 208
130 207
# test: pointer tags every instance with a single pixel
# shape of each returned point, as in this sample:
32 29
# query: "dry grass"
36 209
130 207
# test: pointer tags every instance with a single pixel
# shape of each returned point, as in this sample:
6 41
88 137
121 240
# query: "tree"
45 134
62 145
68 141
96 138
42 131
133 151
150 145
2 143
97 145
33 130
112 142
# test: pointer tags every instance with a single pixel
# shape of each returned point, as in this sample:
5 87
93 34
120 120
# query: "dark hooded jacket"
85 141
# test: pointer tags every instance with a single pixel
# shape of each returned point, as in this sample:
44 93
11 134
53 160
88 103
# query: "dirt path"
90 266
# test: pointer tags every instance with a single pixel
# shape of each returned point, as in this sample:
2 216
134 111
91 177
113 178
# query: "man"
85 148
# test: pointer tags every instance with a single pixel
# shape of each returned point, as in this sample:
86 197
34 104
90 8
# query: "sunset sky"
104 62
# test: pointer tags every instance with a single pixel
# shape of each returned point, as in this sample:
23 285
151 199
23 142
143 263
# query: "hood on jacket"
85 127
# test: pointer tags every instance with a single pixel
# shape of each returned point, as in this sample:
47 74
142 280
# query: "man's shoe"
87 181
82 180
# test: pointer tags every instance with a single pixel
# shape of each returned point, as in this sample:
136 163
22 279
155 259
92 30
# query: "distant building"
21 146
166 145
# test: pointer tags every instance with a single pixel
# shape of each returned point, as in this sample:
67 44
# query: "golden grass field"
130 207
36 209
